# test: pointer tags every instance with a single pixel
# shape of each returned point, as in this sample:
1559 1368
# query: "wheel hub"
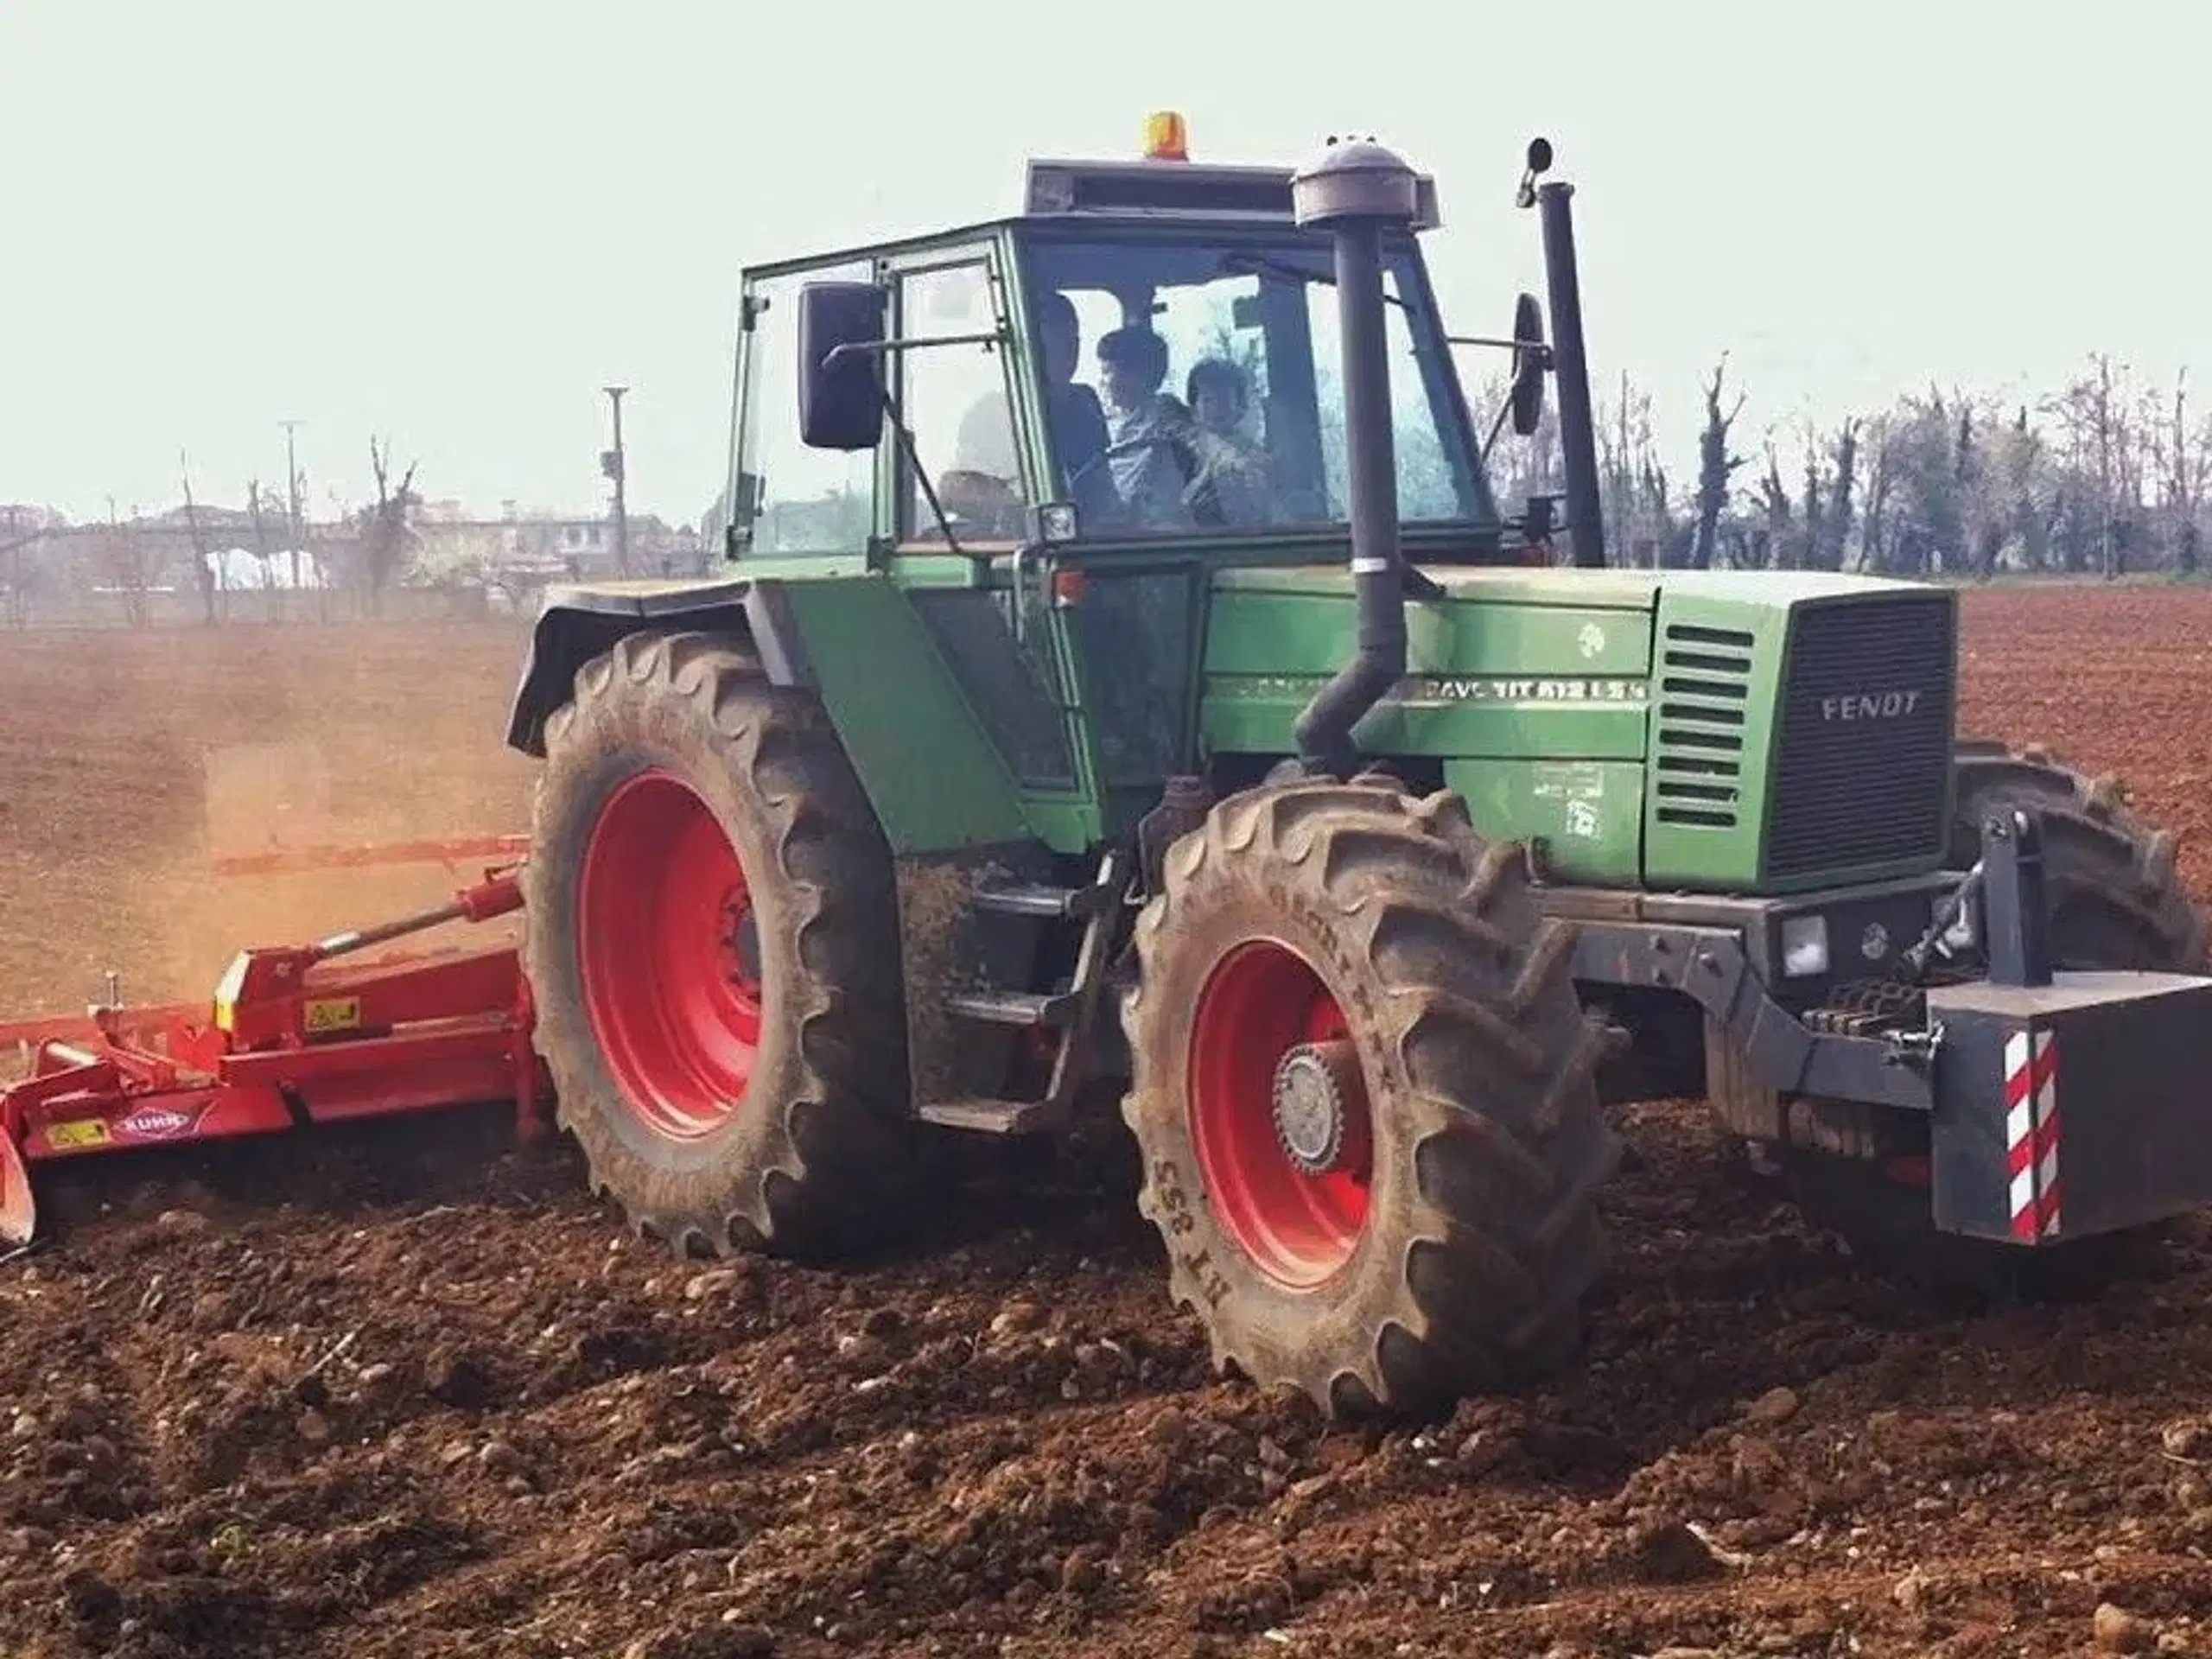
1315 1085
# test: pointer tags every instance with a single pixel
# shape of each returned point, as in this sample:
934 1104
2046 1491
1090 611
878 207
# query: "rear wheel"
2114 901
1364 1093
712 948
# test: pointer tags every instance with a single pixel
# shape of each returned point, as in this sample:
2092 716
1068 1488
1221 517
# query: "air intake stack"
1358 189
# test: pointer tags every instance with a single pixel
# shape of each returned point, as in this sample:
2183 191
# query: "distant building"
22 518
587 548
521 552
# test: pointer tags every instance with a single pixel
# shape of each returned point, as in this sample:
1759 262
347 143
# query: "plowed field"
403 1393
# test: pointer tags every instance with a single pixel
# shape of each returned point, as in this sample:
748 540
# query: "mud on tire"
1478 1236
676 757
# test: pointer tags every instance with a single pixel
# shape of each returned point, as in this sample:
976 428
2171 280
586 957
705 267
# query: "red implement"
295 1037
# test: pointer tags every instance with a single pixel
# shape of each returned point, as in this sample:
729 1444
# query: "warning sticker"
334 1014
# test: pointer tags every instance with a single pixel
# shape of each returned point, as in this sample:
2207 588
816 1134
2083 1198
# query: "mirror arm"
837 354
1498 426
1541 352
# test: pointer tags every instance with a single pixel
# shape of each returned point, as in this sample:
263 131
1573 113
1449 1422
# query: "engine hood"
1609 589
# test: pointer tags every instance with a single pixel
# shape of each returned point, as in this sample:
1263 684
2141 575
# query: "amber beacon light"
1165 137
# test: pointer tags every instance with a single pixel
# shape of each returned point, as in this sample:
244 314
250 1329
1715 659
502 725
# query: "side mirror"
840 372
1530 358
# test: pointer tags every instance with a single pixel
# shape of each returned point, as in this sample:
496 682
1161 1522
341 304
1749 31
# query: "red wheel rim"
671 956
1262 1000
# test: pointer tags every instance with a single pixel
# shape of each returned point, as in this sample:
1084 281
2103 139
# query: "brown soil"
403 1393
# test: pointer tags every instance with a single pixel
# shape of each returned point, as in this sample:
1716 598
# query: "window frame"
896 494
1403 262
746 390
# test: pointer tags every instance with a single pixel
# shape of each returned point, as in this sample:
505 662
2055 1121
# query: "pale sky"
451 221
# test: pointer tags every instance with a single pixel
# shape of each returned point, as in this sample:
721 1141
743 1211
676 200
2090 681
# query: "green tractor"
1125 687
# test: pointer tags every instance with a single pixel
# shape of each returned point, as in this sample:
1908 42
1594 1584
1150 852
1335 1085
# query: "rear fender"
857 645
582 620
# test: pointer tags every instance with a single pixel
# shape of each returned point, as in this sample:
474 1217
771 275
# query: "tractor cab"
1057 436
1148 357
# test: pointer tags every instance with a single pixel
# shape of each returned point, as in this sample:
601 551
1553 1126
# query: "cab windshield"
1197 388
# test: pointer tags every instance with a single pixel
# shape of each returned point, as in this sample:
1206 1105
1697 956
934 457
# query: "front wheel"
1364 1094
713 949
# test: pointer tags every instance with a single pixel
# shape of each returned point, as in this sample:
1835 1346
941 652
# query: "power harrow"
295 1036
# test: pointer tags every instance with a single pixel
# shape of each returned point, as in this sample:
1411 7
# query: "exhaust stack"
1578 439
1358 189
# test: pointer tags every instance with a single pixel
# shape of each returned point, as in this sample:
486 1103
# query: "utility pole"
292 493
610 462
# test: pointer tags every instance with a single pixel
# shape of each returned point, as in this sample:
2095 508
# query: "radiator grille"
1704 687
1863 761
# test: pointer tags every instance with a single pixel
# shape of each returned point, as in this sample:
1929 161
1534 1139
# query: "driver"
985 443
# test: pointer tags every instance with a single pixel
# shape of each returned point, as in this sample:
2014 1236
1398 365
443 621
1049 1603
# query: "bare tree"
385 537
1761 540
2107 475
204 573
1716 466
259 506
1638 509
121 561
2183 458
1831 534
14 542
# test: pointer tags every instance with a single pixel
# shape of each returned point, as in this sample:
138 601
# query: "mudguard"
581 619
854 642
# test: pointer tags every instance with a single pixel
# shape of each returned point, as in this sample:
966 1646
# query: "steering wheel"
992 504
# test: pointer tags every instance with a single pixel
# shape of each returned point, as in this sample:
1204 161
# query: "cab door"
958 516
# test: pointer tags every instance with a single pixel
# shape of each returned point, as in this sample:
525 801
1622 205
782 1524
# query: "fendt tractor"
1126 676
1126 691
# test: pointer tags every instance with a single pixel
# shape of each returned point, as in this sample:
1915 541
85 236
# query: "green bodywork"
1009 687
1534 690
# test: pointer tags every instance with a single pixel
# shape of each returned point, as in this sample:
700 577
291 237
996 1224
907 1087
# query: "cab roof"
1152 193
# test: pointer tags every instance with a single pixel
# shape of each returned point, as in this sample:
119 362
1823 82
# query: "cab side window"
811 500
955 401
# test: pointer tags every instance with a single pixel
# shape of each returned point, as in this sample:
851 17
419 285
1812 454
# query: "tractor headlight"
1056 522
1804 946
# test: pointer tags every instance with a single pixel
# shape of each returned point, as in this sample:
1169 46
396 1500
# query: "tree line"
2106 477
49 567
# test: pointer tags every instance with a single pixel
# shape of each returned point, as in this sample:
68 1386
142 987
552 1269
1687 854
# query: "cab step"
993 1117
1015 1007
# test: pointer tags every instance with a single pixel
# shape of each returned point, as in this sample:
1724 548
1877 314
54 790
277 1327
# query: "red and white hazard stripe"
2031 1133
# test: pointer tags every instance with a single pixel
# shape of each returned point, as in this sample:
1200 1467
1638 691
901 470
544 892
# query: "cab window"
1215 364
809 500
956 399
